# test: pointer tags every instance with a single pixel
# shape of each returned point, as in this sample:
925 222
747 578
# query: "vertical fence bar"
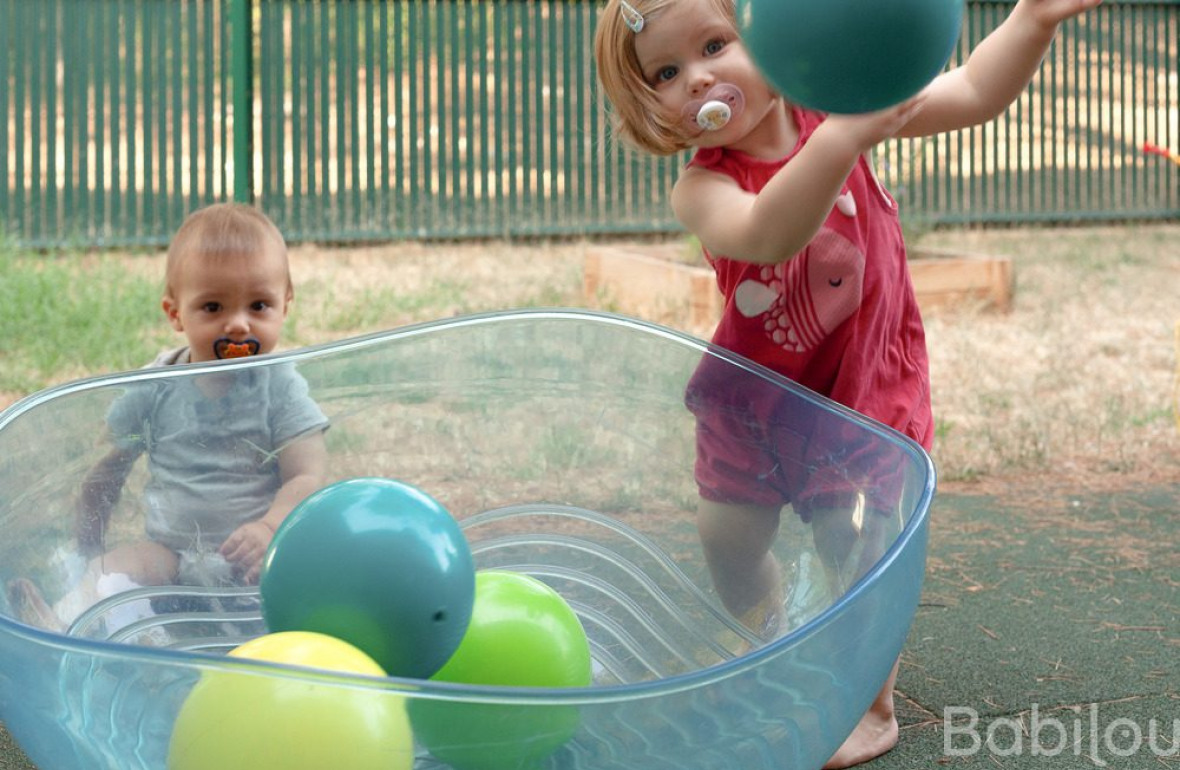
385 116
435 157
551 175
241 48
16 59
368 186
226 146
69 25
455 195
262 85
51 49
325 71
338 137
160 64
494 111
175 102
85 102
522 174
129 101
1119 159
147 110
8 28
1051 128
511 137
396 75
467 120
1090 83
303 102
38 95
579 167
101 70
413 111
599 146
351 56
209 161
444 69
297 187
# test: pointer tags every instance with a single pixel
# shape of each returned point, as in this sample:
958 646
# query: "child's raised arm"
998 69
777 223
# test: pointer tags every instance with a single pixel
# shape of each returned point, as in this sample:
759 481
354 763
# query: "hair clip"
631 17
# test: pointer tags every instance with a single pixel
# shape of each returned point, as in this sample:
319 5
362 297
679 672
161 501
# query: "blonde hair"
223 232
634 108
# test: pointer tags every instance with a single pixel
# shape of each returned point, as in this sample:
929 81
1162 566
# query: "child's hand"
866 131
245 548
1050 13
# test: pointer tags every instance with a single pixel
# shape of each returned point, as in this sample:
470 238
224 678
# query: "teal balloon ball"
378 564
522 634
850 56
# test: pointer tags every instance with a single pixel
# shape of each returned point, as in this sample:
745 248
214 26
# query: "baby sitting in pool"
229 454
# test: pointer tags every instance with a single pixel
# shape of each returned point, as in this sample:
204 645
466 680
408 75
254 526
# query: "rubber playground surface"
1048 635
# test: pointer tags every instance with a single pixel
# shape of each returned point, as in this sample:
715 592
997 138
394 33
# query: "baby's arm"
301 468
777 223
998 69
100 491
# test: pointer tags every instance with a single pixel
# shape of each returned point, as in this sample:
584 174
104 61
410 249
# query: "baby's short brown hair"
220 232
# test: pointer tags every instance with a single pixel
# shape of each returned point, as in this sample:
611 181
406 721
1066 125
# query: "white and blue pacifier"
721 104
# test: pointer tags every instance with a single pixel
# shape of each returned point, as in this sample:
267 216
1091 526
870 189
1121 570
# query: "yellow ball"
254 720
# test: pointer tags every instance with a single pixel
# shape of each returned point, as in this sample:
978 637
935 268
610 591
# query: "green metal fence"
1071 148
379 119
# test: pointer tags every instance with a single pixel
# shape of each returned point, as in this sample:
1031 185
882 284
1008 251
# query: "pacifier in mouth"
227 348
720 104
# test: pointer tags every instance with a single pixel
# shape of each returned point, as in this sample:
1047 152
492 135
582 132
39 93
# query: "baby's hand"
245 548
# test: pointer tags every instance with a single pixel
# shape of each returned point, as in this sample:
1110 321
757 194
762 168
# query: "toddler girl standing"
807 247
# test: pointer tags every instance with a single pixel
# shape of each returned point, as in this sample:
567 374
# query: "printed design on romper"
846 204
804 299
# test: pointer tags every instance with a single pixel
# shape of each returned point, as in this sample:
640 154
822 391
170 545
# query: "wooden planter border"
648 282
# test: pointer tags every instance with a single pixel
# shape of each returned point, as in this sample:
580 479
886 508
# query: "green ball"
850 56
243 720
522 634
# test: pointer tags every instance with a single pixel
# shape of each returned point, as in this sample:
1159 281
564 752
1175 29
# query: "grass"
64 316
1075 383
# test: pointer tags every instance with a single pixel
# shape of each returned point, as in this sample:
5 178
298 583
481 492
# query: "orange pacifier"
227 348
721 104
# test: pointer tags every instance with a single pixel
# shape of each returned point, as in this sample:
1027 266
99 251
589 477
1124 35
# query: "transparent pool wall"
562 443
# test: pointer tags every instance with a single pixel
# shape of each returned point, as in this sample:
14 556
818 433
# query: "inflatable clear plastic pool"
562 443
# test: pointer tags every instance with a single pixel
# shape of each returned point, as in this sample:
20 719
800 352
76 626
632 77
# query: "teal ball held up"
378 564
849 56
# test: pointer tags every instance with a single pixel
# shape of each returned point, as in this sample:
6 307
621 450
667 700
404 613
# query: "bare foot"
869 740
30 607
875 735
